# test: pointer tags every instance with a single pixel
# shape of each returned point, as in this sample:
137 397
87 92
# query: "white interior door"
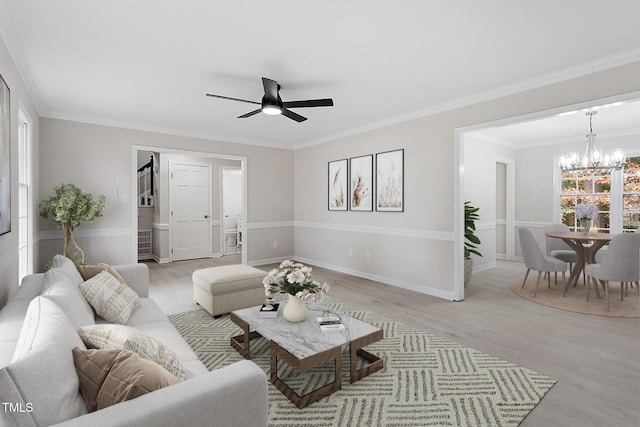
190 211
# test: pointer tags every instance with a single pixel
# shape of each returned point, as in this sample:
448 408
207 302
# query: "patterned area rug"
426 380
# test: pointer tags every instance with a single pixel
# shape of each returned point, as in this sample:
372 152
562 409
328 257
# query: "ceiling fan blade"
232 99
250 113
293 116
327 102
270 89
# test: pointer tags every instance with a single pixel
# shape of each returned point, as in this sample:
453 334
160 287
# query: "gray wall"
107 168
415 249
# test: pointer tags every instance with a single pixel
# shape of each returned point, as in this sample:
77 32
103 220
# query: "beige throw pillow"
89 270
121 337
108 377
112 300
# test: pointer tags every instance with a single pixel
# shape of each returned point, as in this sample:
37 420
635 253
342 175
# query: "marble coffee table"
303 346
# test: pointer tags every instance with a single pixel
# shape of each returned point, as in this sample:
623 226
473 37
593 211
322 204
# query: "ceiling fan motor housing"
272 106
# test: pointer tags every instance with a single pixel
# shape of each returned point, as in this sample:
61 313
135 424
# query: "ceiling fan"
272 104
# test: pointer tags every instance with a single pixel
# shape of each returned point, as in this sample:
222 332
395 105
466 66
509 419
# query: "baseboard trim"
386 280
264 261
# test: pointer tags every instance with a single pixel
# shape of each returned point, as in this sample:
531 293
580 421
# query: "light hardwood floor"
595 359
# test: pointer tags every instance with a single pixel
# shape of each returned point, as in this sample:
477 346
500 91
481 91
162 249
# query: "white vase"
295 310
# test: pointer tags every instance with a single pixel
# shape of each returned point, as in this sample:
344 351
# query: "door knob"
206 216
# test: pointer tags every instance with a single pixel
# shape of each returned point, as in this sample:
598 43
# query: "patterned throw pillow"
124 337
112 300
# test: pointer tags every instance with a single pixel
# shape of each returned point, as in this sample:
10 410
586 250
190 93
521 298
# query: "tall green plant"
71 207
470 239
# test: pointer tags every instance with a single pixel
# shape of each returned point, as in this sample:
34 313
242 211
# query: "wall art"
5 158
361 172
338 185
390 181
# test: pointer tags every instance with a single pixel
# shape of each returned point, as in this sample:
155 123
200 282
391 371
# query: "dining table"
586 245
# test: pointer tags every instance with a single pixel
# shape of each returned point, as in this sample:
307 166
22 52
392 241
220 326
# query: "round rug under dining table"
576 299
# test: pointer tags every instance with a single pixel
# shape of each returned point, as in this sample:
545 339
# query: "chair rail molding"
92 232
381 231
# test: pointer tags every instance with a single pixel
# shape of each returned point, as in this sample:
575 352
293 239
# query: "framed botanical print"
5 158
338 185
390 181
361 173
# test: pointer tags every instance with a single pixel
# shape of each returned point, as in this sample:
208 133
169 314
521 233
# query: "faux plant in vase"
71 207
471 241
294 279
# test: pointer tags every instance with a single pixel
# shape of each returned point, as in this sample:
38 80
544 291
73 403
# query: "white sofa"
42 387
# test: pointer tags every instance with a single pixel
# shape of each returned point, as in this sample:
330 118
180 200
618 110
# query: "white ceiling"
611 120
147 64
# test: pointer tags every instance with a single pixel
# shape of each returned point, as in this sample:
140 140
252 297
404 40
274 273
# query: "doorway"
160 221
232 220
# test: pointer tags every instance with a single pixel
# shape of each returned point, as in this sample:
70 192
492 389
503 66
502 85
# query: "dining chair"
621 264
535 259
558 248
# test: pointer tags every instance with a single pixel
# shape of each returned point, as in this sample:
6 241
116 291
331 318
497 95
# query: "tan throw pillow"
121 337
112 300
88 271
108 377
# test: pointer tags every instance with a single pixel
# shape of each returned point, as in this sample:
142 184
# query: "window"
25 220
590 188
616 194
631 195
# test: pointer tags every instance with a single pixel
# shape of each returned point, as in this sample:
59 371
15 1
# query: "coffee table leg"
242 342
319 359
375 362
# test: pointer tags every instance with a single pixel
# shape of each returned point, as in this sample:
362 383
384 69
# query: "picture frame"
390 181
338 185
5 158
361 183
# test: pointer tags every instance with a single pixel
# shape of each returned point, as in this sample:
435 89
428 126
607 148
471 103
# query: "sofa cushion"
68 268
46 326
59 289
90 270
108 377
111 299
124 337
42 372
45 385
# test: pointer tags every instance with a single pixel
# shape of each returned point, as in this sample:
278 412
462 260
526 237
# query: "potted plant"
71 207
471 241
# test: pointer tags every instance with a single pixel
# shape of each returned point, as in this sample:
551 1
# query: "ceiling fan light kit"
272 104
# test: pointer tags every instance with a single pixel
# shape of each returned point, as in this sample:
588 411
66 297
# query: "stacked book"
269 310
330 323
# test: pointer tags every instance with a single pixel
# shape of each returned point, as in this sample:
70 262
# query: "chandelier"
593 159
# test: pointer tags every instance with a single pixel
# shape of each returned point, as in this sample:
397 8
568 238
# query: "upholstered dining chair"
535 259
558 248
621 264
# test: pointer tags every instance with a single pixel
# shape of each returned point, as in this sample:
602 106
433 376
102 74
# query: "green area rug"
426 380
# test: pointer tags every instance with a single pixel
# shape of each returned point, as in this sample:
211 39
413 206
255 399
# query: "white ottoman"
229 287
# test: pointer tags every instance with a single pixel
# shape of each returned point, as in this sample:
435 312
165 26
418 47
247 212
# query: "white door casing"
190 210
